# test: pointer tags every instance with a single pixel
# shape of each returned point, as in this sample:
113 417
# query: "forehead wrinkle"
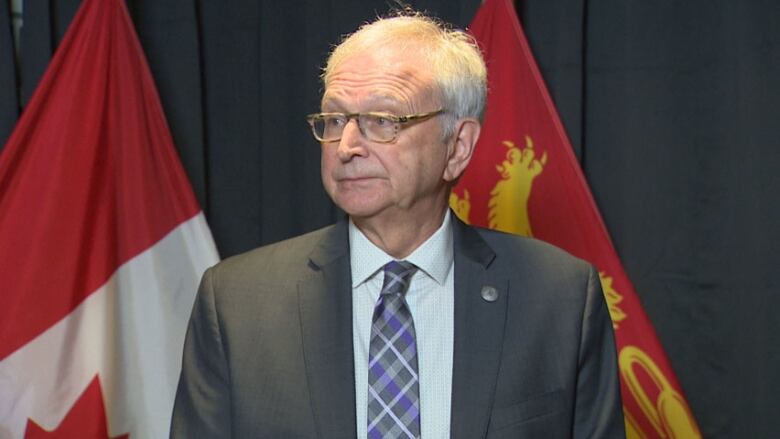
403 86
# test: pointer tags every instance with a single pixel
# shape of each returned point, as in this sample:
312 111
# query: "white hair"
452 54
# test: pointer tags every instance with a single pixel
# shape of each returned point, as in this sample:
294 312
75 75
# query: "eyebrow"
376 100
391 106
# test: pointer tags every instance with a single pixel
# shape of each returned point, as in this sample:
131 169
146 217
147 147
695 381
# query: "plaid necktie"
393 388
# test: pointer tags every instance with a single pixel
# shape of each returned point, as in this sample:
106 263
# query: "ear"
461 148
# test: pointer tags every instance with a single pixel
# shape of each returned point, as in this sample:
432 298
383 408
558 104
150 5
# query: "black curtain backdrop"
9 100
671 107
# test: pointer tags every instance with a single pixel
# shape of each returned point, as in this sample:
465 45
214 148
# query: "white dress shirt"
431 302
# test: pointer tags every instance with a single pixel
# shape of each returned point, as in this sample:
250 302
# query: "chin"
359 208
360 212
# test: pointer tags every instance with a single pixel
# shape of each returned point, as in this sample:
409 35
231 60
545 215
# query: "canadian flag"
102 244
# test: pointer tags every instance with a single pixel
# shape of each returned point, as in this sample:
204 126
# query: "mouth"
362 178
357 182
350 176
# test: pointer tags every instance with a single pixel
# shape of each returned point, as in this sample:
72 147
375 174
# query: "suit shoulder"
280 256
510 248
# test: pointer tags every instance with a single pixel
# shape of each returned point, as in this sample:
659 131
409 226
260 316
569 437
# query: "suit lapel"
479 334
325 303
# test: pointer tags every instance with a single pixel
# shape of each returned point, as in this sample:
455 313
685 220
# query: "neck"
399 237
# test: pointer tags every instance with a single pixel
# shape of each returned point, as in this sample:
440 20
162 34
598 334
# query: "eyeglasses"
375 126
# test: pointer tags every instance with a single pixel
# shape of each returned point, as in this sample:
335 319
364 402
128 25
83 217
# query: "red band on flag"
81 421
78 197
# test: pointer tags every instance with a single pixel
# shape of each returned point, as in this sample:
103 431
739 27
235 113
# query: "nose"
352 142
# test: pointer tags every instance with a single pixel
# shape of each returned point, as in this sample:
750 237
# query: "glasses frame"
399 122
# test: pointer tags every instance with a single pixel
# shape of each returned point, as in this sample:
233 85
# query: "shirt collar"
433 257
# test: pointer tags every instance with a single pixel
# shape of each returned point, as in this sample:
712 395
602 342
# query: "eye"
382 120
335 121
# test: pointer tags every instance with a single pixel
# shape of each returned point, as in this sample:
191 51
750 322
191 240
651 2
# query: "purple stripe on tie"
409 339
406 403
393 322
393 388
378 371
381 377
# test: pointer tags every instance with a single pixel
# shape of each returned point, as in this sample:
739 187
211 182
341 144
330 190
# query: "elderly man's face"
402 180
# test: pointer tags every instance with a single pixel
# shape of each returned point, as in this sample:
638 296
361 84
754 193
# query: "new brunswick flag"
524 179
102 245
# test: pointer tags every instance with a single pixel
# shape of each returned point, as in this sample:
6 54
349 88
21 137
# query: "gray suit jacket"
268 352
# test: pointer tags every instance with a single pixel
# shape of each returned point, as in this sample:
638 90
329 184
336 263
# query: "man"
402 321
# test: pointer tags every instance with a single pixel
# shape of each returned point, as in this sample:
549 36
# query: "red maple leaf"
86 419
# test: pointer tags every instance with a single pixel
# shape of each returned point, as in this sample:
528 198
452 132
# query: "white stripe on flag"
130 331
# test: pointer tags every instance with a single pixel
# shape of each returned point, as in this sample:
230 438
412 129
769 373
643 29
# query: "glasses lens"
328 127
379 127
333 126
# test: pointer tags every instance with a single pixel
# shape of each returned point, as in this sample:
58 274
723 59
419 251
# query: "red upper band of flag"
102 244
88 179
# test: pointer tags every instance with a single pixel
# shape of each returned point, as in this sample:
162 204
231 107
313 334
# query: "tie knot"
397 276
